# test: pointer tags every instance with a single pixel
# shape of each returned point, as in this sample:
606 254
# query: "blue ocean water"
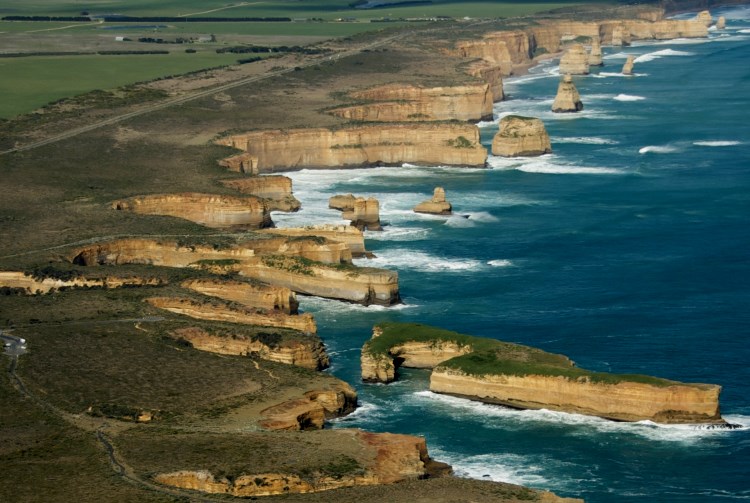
627 249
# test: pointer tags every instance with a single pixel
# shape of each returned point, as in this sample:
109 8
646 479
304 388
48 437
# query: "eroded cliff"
567 98
438 205
521 136
274 190
447 144
211 210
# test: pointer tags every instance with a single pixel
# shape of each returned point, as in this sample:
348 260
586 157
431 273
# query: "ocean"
626 249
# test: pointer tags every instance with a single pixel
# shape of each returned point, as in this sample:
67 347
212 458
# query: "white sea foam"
403 258
497 467
744 31
496 416
335 307
459 221
500 263
717 143
482 216
483 124
391 233
651 56
586 140
628 97
658 149
548 164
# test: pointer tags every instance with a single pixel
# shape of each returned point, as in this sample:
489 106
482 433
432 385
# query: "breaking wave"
645 58
658 149
717 143
628 97
546 164
419 261
586 140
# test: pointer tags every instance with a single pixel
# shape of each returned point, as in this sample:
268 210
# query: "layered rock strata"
518 376
390 144
521 136
392 458
274 190
623 401
241 163
491 74
575 61
567 98
350 236
268 297
310 411
504 49
216 311
437 205
211 210
31 285
364 214
307 352
335 279
627 68
404 102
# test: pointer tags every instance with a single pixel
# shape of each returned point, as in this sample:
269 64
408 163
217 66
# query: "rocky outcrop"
307 352
704 17
595 55
666 29
386 458
241 163
575 61
521 136
627 68
491 74
287 267
622 401
620 36
30 285
523 377
504 49
311 411
405 102
211 210
391 144
217 311
567 98
274 190
437 205
721 23
268 297
351 236
363 213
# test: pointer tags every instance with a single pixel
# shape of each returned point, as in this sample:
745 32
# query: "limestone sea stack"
363 213
567 99
437 205
721 23
575 61
627 68
595 56
521 136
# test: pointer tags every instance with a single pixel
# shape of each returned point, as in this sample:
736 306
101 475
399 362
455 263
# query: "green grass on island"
494 357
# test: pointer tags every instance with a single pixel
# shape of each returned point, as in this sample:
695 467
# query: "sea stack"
721 23
575 61
364 213
567 99
704 17
627 68
521 136
437 205
595 56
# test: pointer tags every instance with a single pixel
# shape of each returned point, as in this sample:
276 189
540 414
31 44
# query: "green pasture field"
30 82
326 9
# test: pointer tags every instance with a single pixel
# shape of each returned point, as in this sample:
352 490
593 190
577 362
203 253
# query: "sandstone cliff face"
521 136
575 61
275 190
450 144
567 99
666 29
211 210
241 163
31 285
391 458
298 273
303 353
704 17
311 411
491 74
627 68
403 103
272 298
437 205
502 49
595 55
363 213
350 236
625 401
